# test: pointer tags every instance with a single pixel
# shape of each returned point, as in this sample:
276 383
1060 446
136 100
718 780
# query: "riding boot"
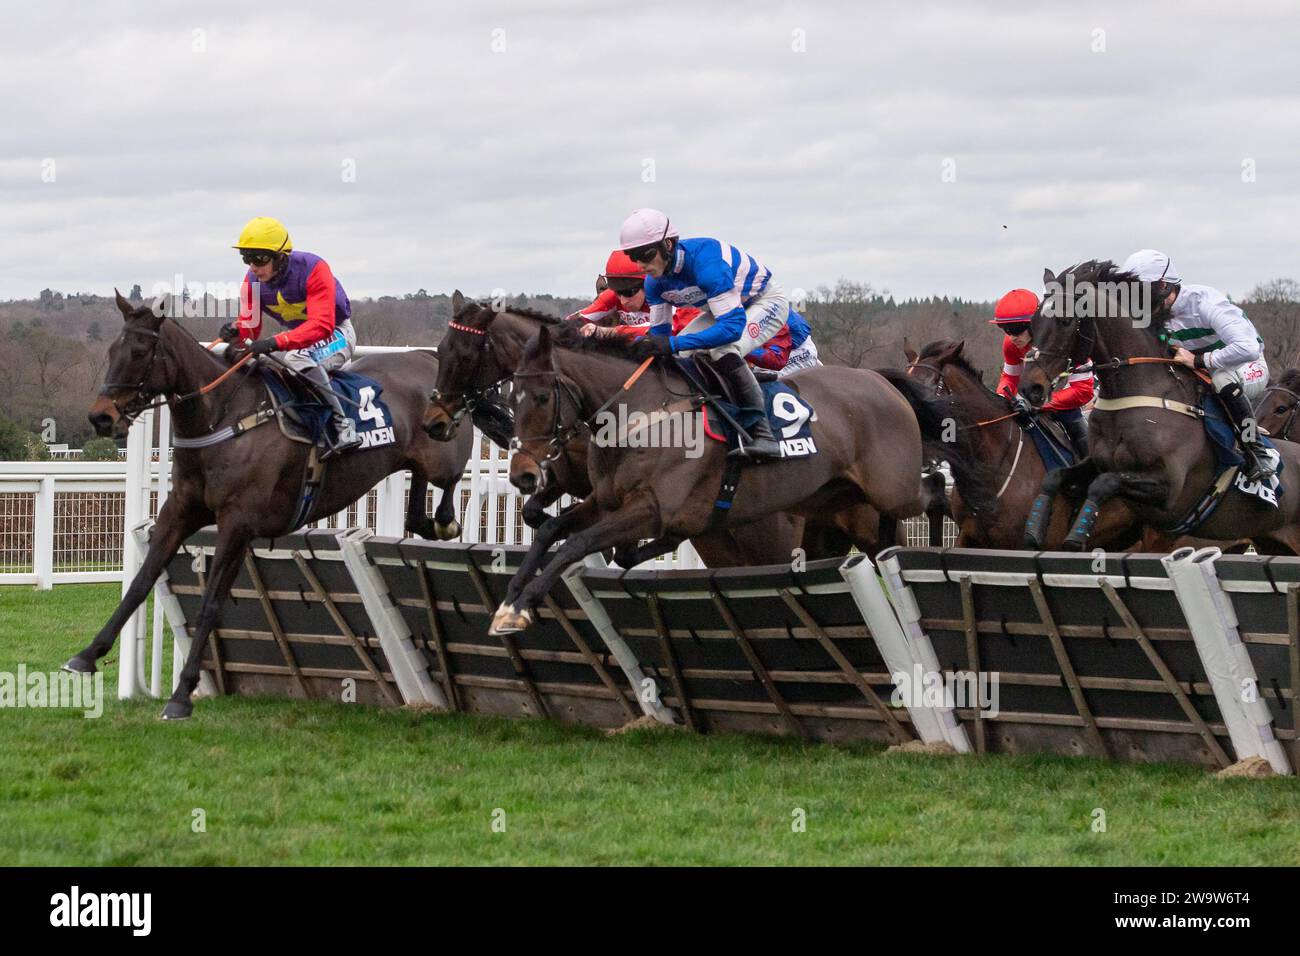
1257 466
345 433
1076 429
753 415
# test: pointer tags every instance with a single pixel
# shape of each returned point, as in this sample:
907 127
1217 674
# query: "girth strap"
1147 401
259 417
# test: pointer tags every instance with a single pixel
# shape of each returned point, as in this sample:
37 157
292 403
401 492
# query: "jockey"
1012 315
299 291
623 300
1208 332
745 309
803 350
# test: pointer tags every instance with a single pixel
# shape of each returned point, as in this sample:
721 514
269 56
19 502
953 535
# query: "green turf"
313 783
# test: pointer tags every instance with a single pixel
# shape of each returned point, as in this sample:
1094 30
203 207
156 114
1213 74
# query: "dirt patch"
920 747
1252 767
644 722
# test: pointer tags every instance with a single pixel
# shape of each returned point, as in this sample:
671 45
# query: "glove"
648 346
262 346
1021 407
229 332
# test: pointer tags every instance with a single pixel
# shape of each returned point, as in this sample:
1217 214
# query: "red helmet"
620 266
1018 305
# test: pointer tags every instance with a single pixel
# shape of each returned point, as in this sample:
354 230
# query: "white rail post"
390 510
43 541
1213 622
139 442
163 485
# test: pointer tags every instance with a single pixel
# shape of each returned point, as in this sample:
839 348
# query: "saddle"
788 413
303 417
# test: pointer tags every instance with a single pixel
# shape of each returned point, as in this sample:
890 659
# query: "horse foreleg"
417 517
1040 512
534 511
634 520
171 529
580 516
232 545
1135 487
647 552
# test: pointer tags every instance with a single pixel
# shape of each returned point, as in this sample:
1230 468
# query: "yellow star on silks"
290 311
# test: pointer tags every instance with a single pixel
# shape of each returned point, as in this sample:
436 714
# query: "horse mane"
544 317
1290 379
566 335
1093 271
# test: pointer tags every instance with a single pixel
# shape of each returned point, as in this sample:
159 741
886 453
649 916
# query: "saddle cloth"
303 417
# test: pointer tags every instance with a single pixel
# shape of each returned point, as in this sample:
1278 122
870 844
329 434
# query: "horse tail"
944 438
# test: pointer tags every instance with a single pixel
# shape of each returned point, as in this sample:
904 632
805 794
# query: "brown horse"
868 452
992 434
250 484
1279 407
481 350
1149 447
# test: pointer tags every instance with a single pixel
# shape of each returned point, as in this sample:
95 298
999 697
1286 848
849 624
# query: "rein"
472 396
141 388
561 434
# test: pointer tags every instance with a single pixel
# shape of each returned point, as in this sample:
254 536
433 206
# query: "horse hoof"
508 620
177 710
79 665
535 520
446 532
425 530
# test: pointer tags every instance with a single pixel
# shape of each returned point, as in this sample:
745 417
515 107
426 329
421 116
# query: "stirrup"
341 444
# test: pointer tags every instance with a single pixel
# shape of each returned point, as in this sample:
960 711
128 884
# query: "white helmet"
645 227
1152 266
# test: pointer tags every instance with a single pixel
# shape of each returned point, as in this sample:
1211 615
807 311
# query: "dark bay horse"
1152 450
250 484
991 435
866 432
481 350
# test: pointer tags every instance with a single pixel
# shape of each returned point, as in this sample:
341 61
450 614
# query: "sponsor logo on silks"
683 296
753 330
134 910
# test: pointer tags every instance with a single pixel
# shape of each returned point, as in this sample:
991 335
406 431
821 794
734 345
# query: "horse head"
467 367
138 369
1280 406
535 400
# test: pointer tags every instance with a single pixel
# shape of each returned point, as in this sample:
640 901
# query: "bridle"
474 395
1291 413
143 393
560 434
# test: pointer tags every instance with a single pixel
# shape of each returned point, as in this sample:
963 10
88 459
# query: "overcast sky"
926 148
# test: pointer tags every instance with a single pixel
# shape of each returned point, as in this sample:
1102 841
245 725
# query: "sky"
928 149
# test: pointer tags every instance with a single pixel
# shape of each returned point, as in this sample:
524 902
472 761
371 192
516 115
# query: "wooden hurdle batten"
903 643
1080 684
406 663
650 702
1213 624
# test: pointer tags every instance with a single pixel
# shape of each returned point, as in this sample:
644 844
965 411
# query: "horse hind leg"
232 545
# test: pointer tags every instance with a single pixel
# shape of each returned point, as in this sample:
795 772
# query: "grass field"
317 783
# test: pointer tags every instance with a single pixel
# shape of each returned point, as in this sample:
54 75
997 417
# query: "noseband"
142 394
560 434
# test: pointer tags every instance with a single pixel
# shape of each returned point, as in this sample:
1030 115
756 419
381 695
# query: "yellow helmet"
265 233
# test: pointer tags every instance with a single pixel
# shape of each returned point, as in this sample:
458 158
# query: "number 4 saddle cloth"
304 418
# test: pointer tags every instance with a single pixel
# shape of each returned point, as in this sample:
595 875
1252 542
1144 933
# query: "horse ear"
957 349
909 351
1048 277
457 302
124 305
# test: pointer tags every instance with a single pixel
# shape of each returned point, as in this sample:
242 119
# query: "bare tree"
1274 308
